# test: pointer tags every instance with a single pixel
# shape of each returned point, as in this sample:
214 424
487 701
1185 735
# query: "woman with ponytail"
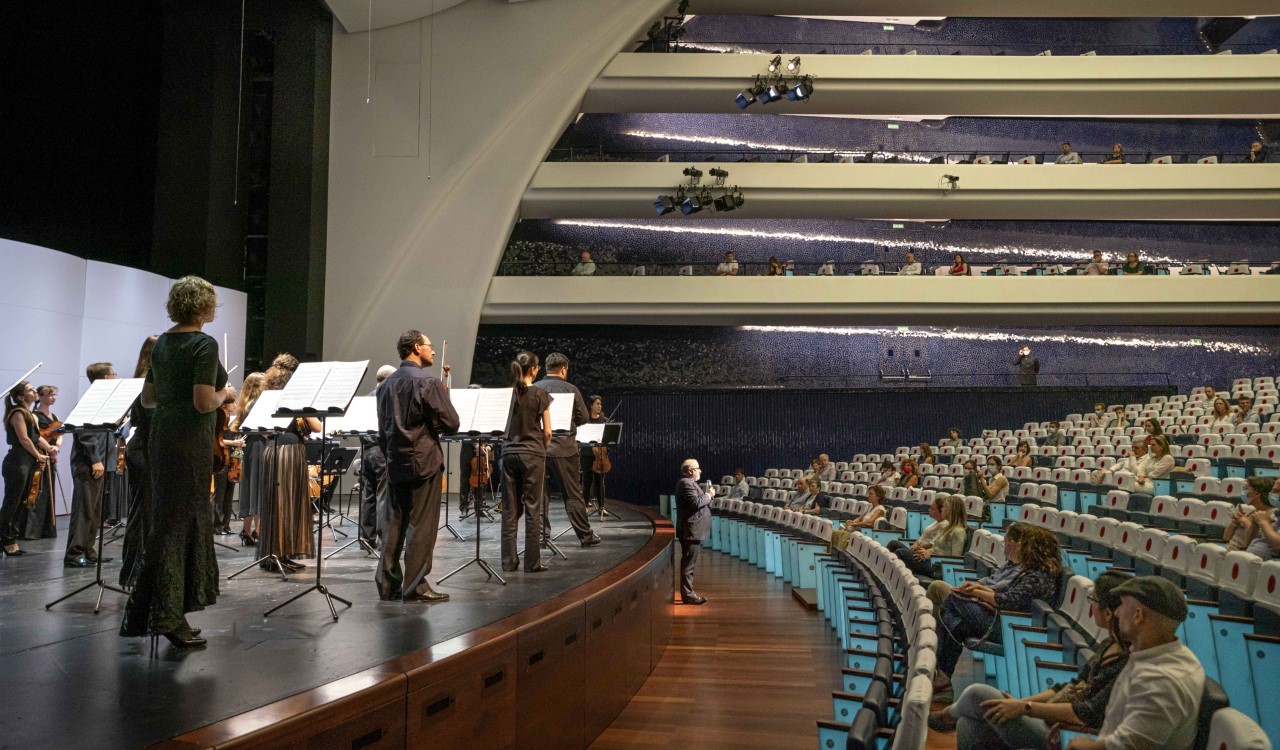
524 460
27 450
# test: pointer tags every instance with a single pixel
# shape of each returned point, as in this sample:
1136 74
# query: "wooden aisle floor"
751 668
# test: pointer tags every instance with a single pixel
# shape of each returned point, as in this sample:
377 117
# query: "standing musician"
373 480
37 521
413 411
252 447
227 477
93 456
562 455
135 457
286 500
594 480
27 452
524 461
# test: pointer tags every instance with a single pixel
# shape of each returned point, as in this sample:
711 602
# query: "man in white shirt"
827 269
585 267
1098 267
826 469
1135 463
1246 412
1069 156
1156 697
729 267
740 489
911 267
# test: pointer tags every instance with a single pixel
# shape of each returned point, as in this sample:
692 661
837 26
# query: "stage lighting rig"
720 176
747 96
692 198
777 83
731 200
793 64
775 64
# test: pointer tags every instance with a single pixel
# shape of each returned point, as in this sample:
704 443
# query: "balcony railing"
883 155
875 268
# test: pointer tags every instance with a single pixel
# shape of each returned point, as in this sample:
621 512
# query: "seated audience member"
815 467
995 486
1248 518
954 438
1257 154
1153 428
1209 395
1245 411
806 498
774 268
1069 156
911 266
889 476
926 455
989 719
1117 155
1055 437
827 269
1023 457
1221 414
740 489
910 474
1135 463
1133 266
970 610
729 267
1118 418
959 267
1158 467
585 267
972 480
945 537
869 517
1155 700
1099 418
1098 267
826 469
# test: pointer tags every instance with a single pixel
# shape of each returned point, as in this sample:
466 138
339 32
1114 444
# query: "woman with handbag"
972 610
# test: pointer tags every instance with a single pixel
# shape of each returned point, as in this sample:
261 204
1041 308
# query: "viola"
33 492
481 468
601 463
221 453
54 428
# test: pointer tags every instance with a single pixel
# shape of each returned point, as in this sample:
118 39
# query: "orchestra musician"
27 451
562 455
93 457
285 520
252 447
135 457
185 385
224 480
37 521
413 411
524 459
593 481
373 479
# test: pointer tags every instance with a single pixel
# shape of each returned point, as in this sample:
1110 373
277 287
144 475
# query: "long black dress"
37 522
180 571
17 467
140 511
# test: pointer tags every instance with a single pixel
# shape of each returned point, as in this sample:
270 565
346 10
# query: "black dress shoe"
94 560
15 553
76 562
431 596
695 599
592 540
510 568
539 568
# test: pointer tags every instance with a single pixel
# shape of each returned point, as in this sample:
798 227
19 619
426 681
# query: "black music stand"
332 464
102 585
612 438
444 496
478 560
275 489
338 464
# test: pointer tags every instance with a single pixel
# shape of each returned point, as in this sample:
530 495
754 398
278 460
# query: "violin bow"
24 377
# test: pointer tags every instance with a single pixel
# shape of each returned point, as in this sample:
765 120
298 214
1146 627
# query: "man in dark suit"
562 455
1028 367
693 523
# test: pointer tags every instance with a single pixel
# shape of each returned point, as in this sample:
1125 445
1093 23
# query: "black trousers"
522 484
564 471
86 513
593 483
374 491
17 481
690 549
413 520
223 493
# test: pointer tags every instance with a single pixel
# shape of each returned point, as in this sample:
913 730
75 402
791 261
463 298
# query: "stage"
72 681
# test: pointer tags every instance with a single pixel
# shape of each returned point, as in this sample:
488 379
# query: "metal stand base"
317 586
259 561
102 585
364 545
477 560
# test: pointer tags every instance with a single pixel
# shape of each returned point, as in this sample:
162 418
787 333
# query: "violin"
54 428
481 468
221 453
33 492
601 463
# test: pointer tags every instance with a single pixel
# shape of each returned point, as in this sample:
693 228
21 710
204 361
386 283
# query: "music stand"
99 411
316 454
601 435
483 414
319 390
259 421
478 560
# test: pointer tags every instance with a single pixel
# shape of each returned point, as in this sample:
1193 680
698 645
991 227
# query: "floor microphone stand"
319 584
275 489
102 585
477 560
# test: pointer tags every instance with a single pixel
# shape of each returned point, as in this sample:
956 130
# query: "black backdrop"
758 429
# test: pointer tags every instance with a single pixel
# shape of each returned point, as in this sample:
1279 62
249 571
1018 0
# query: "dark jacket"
414 410
1028 368
563 446
693 511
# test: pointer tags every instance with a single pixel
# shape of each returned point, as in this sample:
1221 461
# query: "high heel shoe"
245 540
185 640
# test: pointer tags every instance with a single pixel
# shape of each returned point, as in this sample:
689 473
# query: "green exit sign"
903 329
1195 341
899 226
893 126
888 27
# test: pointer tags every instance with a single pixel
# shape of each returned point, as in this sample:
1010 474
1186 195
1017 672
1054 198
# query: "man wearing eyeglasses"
693 523
414 410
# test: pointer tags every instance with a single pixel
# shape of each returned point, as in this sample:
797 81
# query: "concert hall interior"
963 434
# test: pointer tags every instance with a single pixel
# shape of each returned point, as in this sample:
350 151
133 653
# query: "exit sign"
893 126
1195 341
888 27
903 329
899 226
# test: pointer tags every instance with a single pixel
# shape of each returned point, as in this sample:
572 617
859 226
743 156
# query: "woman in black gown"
593 483
135 459
37 522
26 451
185 385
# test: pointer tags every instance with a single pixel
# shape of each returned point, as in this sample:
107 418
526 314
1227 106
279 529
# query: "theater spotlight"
775 92
694 174
793 64
664 205
775 63
692 204
719 174
747 96
801 91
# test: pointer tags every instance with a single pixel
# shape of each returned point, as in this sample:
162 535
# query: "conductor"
413 410
692 525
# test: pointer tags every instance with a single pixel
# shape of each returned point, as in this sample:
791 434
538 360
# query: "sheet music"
101 405
464 402
492 410
260 417
592 432
361 417
322 387
561 412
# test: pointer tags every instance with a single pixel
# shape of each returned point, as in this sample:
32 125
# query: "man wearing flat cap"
1156 698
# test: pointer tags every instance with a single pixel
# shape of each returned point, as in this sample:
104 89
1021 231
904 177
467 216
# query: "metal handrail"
843 269
878 155
721 46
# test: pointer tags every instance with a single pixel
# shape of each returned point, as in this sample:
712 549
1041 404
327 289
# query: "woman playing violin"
27 452
592 478
36 521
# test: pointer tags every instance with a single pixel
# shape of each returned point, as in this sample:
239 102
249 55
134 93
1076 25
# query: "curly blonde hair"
192 300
